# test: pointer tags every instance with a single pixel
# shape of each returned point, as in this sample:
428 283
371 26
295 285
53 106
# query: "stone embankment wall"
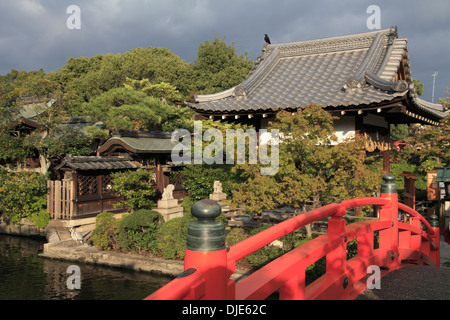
25 228
76 252
61 246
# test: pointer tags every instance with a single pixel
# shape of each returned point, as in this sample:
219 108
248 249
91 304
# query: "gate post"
205 249
389 237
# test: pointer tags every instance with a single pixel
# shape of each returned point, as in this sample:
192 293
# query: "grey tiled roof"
97 163
141 144
339 72
31 110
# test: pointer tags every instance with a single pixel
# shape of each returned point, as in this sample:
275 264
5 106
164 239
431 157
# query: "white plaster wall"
344 128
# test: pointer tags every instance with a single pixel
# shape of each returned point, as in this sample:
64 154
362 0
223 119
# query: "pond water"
24 275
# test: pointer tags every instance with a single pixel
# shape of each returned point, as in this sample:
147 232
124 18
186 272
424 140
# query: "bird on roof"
77 236
266 38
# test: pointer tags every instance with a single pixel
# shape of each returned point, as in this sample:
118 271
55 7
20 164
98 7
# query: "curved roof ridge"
336 40
139 144
368 63
386 85
214 96
435 109
392 58
380 49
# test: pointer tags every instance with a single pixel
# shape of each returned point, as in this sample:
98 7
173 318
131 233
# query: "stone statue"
168 206
217 187
218 194
168 192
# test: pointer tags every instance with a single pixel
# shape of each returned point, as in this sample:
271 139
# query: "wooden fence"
60 196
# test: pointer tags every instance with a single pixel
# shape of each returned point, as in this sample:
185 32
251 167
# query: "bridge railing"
209 265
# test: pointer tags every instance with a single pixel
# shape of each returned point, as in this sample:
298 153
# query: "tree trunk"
45 164
43 159
308 227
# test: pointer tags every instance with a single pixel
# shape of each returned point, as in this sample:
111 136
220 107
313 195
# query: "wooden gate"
60 195
166 175
409 192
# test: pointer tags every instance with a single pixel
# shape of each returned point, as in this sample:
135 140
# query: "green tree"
49 139
199 178
158 65
429 146
8 84
311 170
23 195
12 146
125 109
85 78
58 142
446 102
418 85
218 67
175 116
399 132
164 91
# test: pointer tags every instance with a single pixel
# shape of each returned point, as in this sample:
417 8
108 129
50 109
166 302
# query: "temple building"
146 148
364 79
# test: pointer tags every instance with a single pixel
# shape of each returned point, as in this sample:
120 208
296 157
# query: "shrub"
199 179
136 188
24 195
235 235
138 230
106 231
268 253
38 213
187 204
315 270
171 238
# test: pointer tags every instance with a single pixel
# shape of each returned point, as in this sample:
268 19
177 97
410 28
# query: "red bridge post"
336 259
205 249
388 239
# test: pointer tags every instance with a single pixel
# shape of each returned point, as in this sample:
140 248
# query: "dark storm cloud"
33 33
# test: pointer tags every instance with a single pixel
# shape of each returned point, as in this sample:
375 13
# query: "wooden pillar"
386 161
441 216
100 190
75 193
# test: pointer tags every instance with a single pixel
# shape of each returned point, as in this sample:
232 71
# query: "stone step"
63 234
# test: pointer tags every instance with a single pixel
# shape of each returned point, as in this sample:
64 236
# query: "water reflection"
24 275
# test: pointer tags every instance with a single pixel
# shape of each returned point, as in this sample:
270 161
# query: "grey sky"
34 35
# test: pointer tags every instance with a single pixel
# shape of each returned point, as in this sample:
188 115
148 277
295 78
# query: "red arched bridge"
209 264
